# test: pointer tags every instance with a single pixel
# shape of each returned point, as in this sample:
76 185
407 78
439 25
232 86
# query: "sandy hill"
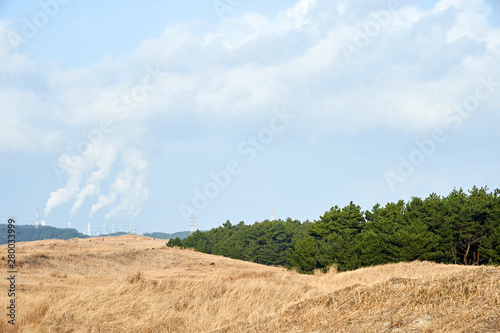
136 284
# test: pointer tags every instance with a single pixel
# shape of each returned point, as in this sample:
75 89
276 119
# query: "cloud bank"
343 68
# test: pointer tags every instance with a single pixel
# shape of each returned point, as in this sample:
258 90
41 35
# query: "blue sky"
123 113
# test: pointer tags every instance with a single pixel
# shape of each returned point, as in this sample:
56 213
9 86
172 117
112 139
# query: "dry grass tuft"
134 277
59 275
83 286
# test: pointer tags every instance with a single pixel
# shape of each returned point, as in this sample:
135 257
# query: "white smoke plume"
89 190
65 194
129 184
87 172
104 163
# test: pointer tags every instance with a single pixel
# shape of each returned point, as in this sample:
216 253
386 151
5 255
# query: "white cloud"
413 68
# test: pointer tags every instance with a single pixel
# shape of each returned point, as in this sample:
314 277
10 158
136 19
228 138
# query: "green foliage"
475 226
174 242
264 242
462 228
304 255
339 229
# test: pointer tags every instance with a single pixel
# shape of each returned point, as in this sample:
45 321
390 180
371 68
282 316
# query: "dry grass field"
136 284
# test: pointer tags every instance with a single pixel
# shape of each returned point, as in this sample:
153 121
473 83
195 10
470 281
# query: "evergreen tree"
303 256
339 228
174 242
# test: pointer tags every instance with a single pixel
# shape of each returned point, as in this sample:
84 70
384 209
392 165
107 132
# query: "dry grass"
136 284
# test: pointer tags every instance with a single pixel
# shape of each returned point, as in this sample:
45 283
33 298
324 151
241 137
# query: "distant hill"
162 235
26 233
116 234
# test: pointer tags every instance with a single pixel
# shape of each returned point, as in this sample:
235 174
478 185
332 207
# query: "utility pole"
36 220
192 224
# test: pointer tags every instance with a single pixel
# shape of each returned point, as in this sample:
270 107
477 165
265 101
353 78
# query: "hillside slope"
135 284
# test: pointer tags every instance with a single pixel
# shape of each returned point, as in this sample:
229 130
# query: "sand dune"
136 284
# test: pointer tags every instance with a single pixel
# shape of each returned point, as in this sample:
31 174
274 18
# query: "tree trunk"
467 253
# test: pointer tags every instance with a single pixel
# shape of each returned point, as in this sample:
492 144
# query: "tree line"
461 228
266 242
25 233
163 235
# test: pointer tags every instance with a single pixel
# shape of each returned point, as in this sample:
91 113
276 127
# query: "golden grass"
136 284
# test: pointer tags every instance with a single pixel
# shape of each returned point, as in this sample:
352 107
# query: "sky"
138 116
